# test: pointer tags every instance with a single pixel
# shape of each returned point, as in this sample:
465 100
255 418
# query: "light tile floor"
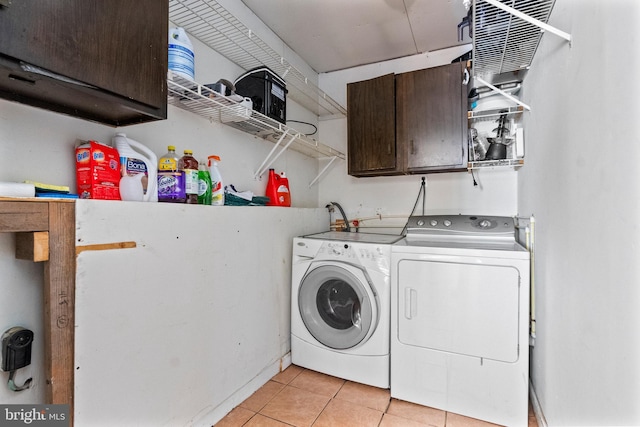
301 397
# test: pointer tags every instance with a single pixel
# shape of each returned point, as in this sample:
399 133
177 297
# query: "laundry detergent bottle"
278 189
138 181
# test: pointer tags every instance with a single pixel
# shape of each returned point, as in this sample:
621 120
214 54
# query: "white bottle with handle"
136 159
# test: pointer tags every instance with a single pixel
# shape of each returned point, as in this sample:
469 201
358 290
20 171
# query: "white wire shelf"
490 114
506 34
196 98
213 25
495 163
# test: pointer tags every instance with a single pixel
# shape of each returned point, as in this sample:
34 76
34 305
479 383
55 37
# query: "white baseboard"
239 396
537 409
285 361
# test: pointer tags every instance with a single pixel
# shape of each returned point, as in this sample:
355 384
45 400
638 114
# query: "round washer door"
337 305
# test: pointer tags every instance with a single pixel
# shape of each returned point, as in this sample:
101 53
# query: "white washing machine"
340 305
460 317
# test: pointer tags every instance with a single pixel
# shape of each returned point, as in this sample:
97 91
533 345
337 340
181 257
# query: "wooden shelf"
57 220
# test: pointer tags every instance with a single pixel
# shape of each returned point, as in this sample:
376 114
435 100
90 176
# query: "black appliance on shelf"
267 91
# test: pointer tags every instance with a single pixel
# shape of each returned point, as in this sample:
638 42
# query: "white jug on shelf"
132 186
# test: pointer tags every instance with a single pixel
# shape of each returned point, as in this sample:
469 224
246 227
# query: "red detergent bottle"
278 189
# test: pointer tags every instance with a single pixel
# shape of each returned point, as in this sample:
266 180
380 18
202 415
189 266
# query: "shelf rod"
260 170
270 158
503 93
529 19
322 171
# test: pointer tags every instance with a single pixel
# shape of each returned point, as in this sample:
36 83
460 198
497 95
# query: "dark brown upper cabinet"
431 119
410 123
371 129
104 61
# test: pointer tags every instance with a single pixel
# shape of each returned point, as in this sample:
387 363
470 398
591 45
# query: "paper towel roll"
17 189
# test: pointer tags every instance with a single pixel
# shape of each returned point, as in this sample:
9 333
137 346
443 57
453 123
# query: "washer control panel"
368 256
461 225
347 250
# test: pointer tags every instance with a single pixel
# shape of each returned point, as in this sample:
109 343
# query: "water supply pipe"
346 221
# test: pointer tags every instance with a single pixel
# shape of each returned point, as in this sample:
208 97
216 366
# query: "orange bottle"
278 190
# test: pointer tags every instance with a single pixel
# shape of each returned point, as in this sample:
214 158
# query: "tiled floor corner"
302 398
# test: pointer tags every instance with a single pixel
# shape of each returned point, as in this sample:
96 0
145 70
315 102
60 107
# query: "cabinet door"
371 127
431 119
116 48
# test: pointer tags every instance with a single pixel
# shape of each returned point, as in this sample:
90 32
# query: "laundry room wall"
188 340
38 145
385 202
582 184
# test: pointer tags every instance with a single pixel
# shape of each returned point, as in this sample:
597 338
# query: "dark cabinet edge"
77 100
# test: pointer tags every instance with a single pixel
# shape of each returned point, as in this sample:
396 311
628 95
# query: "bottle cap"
188 152
171 148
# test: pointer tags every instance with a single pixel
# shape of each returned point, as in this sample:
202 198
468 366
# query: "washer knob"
433 222
420 223
485 223
447 223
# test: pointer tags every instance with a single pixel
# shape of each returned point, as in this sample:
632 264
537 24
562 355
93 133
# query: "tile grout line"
329 401
289 386
323 409
265 405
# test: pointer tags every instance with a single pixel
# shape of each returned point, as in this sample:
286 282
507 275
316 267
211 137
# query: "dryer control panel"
470 226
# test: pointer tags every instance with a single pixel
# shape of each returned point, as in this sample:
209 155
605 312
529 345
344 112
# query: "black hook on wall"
16 354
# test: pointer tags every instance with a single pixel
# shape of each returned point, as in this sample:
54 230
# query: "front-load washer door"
338 305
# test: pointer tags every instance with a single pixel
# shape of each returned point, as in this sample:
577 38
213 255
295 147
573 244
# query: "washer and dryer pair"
439 316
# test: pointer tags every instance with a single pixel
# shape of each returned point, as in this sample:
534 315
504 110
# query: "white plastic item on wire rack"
237 113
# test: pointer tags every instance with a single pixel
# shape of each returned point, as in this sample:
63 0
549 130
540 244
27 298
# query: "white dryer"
460 317
340 305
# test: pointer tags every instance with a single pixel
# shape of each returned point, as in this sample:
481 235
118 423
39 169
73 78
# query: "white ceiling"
336 34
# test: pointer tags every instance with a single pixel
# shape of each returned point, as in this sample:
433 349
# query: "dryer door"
470 309
337 304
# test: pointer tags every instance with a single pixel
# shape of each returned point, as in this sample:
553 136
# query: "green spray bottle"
204 184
